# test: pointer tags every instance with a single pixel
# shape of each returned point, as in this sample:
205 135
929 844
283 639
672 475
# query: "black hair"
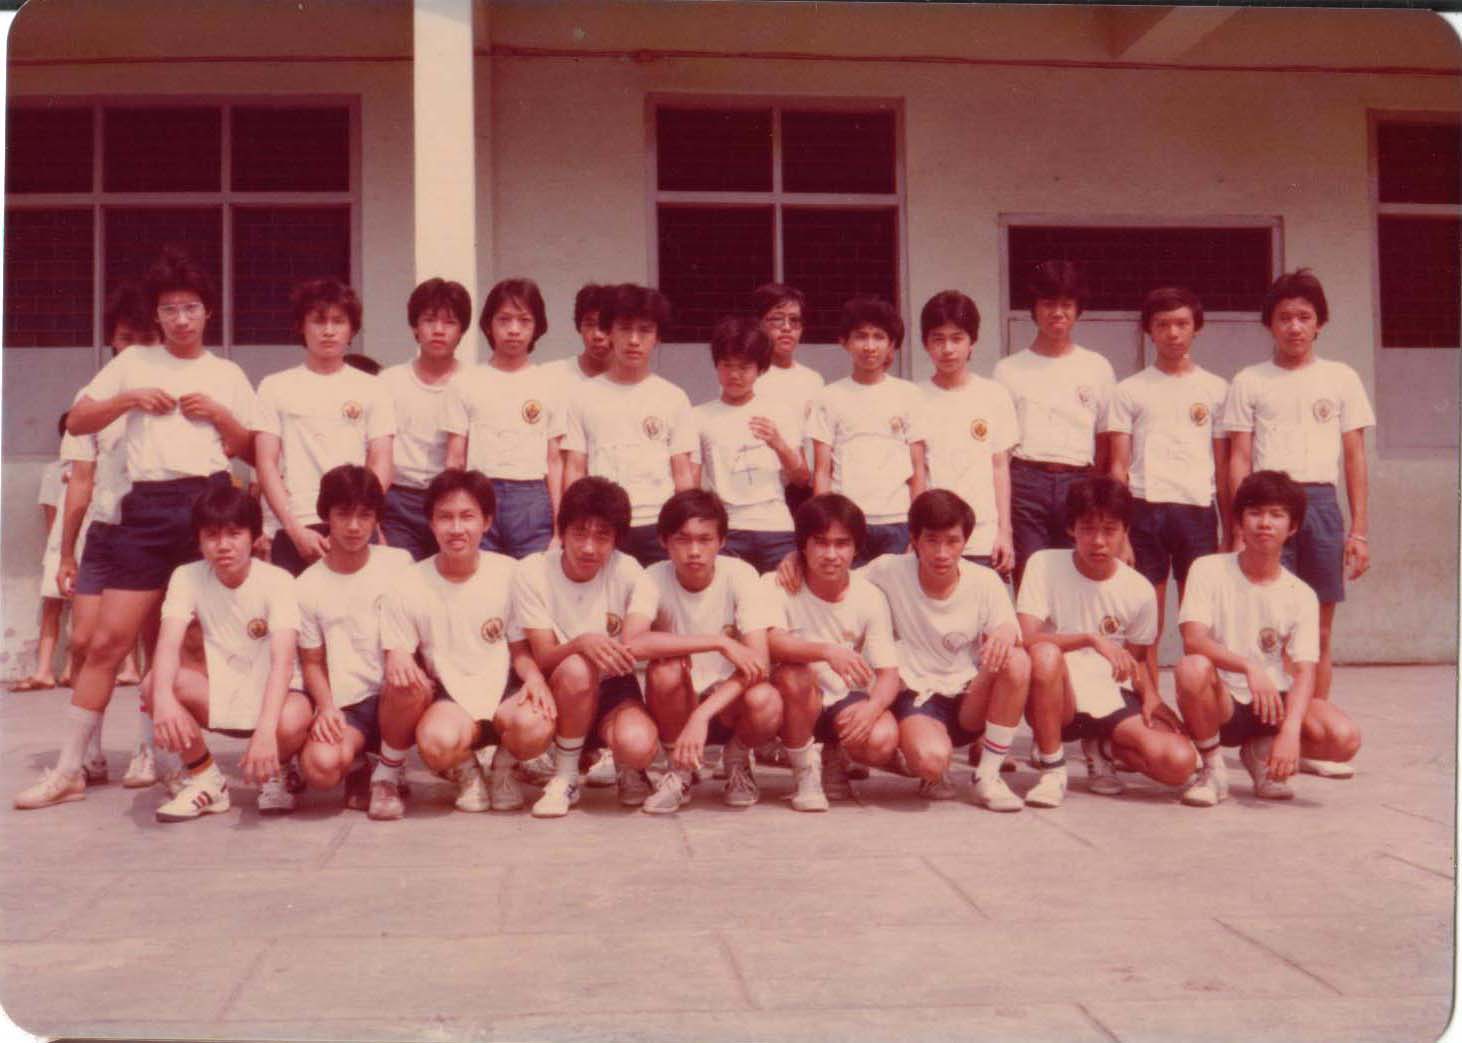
350 485
1171 298
871 311
940 509
364 363
61 424
1098 494
631 301
521 291
819 513
454 479
126 303
586 302
690 504
769 295
314 295
595 497
1262 488
175 271
1057 280
440 295
1300 283
222 505
949 306
741 337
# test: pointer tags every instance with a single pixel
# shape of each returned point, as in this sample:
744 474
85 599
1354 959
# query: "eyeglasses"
173 311
791 322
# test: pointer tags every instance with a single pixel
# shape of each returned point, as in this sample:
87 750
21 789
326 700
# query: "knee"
108 648
663 676
795 683
882 741
928 760
526 735
320 765
763 704
1175 763
1017 668
634 740
575 677
1193 674
1339 737
440 747
1045 663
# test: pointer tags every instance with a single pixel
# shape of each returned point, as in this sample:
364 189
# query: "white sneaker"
205 794
670 795
536 771
1049 790
634 787
504 792
835 784
53 788
174 783
142 769
601 774
809 795
1101 775
558 796
471 787
1254 755
1209 786
1327 769
386 804
741 788
941 789
275 797
994 794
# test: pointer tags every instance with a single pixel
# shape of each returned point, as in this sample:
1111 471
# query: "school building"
892 148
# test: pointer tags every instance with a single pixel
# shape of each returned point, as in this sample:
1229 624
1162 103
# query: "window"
799 194
259 195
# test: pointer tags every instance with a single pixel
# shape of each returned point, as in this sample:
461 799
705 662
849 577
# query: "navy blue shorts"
764 551
286 555
941 708
485 735
642 542
96 560
155 534
1171 536
826 728
405 523
365 717
1243 724
614 692
1316 554
891 538
1038 508
522 523
1085 726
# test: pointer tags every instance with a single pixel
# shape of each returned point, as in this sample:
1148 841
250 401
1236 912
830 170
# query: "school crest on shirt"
1269 640
1086 396
257 628
492 630
897 424
653 426
954 641
979 429
351 410
1198 413
1110 626
613 624
532 411
1323 409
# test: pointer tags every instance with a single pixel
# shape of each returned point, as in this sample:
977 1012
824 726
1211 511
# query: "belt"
1049 467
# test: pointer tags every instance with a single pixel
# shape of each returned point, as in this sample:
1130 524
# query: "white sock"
993 748
1055 762
94 744
80 724
390 765
566 758
145 736
1211 752
801 757
502 761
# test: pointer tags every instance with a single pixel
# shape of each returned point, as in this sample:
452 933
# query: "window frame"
226 198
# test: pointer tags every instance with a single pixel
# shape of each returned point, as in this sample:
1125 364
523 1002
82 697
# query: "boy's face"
828 555
632 340
1172 333
1098 539
458 523
949 348
1294 325
939 550
182 318
437 333
327 332
870 347
512 329
783 324
596 341
351 527
693 548
226 548
587 545
737 377
1055 316
124 335
1265 526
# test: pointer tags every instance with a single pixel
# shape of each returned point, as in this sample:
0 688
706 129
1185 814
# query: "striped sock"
993 749
566 758
1052 761
199 766
1209 749
390 765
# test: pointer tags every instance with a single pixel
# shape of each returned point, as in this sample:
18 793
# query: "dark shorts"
405 524
941 708
826 728
1038 508
892 538
485 735
96 560
286 555
764 551
614 692
522 524
1243 724
796 496
642 542
1171 536
365 717
155 534
1085 726
1316 554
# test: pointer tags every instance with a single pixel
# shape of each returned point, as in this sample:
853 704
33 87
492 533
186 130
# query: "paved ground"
1329 918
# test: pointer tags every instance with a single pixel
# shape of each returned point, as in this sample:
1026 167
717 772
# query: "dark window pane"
710 261
161 150
48 278
1421 281
274 248
1419 162
1228 268
290 150
832 255
48 150
714 150
135 238
838 151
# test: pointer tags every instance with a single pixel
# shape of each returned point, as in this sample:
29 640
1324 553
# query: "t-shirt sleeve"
530 599
455 414
821 422
181 599
1306 645
1355 405
878 646
243 403
1034 599
266 411
110 381
775 599
1120 411
78 447
575 438
755 609
381 421
644 599
998 609
1238 407
1007 427
53 485
398 628
1216 405
1198 595
684 432
1143 629
284 606
310 633
911 412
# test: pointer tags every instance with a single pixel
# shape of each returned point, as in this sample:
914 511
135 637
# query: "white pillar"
445 147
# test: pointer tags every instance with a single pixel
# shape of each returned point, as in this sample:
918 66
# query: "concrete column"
445 147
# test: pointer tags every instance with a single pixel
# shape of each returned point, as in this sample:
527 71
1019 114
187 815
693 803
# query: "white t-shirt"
420 448
546 599
341 612
508 418
236 625
1059 402
796 385
1173 421
964 428
54 480
734 603
1121 608
870 428
323 421
629 432
109 476
1261 621
742 469
860 621
939 642
161 448
1298 415
53 483
462 628
567 372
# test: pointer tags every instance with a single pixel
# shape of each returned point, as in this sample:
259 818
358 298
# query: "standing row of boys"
490 556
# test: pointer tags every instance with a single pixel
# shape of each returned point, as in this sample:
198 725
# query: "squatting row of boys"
550 560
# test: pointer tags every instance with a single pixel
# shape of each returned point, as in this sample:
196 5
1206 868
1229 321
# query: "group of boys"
565 558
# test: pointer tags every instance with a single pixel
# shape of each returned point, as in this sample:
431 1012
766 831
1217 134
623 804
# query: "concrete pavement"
1131 918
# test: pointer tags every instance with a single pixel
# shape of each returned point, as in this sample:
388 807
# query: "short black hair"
595 497
1262 488
631 301
1057 280
440 295
1300 283
61 424
871 311
473 483
226 504
690 504
524 292
586 303
174 271
741 337
819 513
940 509
949 306
126 303
313 295
364 363
771 294
1171 298
349 485
1098 494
